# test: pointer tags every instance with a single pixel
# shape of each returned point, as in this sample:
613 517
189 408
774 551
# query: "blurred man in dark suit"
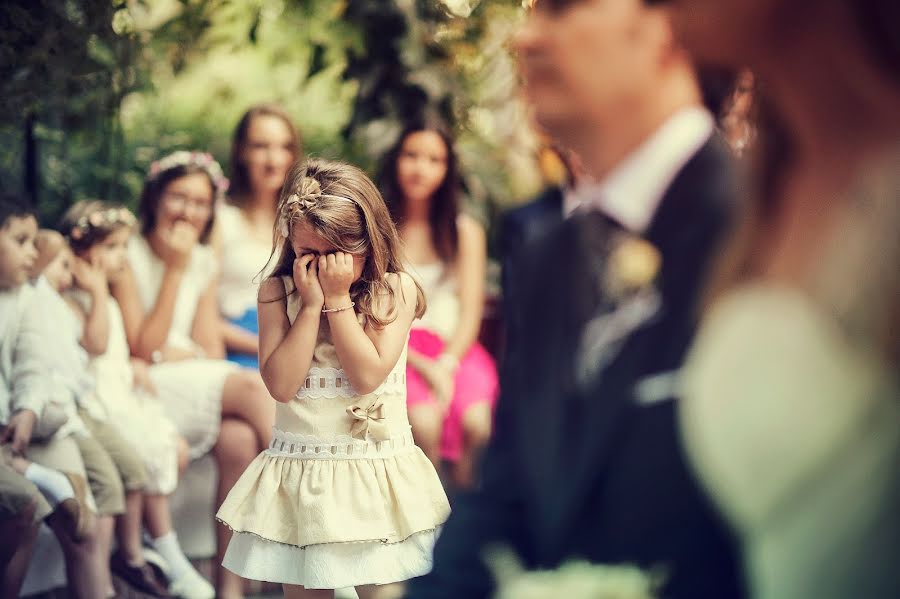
586 461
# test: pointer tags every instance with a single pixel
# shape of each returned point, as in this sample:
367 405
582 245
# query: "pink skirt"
476 381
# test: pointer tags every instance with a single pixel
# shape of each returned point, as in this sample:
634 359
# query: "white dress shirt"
23 351
630 194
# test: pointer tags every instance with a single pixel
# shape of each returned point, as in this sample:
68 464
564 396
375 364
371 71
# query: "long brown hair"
444 208
344 207
239 188
877 24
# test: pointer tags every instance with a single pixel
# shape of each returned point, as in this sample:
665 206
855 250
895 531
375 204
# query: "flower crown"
203 160
108 217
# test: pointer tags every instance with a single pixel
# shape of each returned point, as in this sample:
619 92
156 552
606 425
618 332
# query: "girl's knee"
237 442
477 425
246 394
427 423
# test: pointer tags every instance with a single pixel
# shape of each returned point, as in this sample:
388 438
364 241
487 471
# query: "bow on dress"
368 417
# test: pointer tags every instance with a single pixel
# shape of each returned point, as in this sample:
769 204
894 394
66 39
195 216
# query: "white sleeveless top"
441 295
148 273
243 257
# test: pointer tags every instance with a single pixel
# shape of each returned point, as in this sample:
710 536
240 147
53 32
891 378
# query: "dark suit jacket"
520 228
584 470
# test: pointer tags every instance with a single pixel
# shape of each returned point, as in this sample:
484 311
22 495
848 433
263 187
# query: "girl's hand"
336 276
306 278
89 277
441 382
18 431
442 385
141 370
177 244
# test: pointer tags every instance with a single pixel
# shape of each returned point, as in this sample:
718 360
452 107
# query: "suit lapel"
562 272
688 224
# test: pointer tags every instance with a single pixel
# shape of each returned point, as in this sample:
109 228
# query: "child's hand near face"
336 276
306 278
177 244
89 277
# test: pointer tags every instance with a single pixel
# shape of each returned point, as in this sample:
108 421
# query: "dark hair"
155 186
445 201
240 181
717 85
14 206
878 22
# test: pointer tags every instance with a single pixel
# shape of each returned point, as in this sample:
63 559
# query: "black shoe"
141 578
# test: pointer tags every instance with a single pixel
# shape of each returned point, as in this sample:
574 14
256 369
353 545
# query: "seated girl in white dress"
168 303
98 234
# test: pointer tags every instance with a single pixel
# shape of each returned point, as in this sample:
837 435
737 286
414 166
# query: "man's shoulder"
547 205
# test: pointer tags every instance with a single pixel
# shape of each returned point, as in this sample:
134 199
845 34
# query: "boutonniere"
632 265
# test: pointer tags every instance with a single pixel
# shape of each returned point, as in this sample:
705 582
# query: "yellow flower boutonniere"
633 264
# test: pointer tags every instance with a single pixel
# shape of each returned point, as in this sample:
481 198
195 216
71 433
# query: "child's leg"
14 556
84 564
21 509
63 491
106 526
128 529
86 574
297 592
246 398
381 591
157 515
109 493
235 449
476 428
182 573
130 471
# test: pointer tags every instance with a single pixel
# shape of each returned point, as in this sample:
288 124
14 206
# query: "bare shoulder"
271 290
403 287
468 225
401 282
471 232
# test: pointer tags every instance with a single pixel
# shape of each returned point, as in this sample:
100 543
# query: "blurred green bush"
93 90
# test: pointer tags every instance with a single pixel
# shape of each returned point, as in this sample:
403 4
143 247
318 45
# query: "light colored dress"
138 416
243 257
342 496
189 390
73 386
476 379
791 414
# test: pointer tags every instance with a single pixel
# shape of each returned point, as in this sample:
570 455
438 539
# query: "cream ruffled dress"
342 497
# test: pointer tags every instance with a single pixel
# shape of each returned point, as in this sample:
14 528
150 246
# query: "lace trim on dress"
337 447
331 383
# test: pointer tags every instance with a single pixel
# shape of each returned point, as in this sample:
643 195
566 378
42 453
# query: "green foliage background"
95 90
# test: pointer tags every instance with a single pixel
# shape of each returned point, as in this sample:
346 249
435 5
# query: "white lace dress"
189 390
139 417
342 497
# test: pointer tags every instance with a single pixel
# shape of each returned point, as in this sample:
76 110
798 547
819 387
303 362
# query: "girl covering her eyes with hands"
342 497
